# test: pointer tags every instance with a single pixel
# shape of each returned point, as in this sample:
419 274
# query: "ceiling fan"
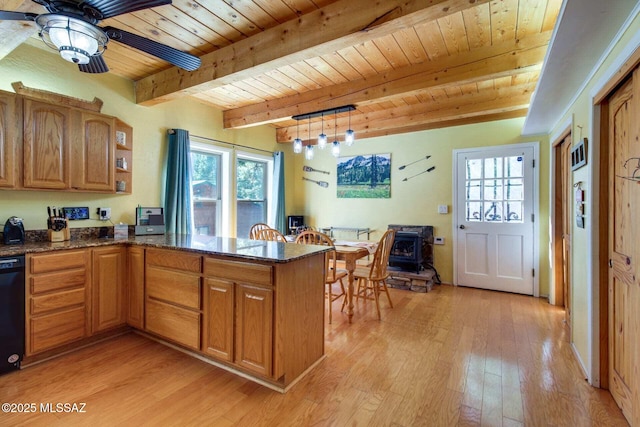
71 27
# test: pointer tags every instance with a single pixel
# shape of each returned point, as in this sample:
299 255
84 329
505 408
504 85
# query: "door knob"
462 227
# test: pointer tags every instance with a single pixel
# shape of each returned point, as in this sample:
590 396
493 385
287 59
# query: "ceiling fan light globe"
75 39
77 56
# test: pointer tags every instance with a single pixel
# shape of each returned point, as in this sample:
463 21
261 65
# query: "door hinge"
533 163
533 217
533 272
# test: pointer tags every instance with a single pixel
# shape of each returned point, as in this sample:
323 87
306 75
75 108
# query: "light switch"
443 209
438 240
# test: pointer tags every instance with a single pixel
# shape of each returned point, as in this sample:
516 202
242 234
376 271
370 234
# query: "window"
223 206
206 186
494 189
252 190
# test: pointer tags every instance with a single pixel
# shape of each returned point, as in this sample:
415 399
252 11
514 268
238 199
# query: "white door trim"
536 206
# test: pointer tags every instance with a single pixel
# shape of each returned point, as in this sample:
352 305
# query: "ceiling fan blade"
96 65
176 57
6 15
111 8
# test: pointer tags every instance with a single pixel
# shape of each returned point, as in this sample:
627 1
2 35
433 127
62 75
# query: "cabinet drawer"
58 261
52 330
238 271
57 300
56 281
174 259
175 323
174 287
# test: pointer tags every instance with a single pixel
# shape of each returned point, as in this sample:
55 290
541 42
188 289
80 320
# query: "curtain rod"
172 131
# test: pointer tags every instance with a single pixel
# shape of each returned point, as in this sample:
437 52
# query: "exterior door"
494 217
624 229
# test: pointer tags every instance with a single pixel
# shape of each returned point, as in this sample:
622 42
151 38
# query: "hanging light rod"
336 110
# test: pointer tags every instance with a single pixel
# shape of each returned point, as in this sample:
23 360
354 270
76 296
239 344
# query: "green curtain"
278 192
177 200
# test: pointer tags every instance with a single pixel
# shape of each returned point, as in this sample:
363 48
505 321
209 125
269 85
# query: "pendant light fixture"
349 135
322 138
308 150
297 143
335 146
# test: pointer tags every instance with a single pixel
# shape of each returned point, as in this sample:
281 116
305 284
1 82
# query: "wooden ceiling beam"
466 106
481 118
14 33
339 25
500 60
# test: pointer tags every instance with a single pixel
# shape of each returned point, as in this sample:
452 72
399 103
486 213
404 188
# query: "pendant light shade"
308 152
335 148
322 138
349 135
297 143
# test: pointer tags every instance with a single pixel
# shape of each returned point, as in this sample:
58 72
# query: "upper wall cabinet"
56 145
10 124
93 152
47 134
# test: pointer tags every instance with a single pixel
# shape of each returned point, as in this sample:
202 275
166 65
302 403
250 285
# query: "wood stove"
412 248
407 251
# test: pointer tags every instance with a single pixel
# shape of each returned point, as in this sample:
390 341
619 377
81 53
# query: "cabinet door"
93 152
218 319
135 288
10 119
46 145
254 317
108 288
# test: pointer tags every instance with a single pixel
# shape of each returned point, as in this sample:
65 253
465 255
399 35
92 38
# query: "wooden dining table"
350 254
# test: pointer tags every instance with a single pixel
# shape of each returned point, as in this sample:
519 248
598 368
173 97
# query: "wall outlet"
104 214
438 240
443 209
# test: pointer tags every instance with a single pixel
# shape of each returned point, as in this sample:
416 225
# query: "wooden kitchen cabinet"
58 299
93 152
173 296
108 288
254 317
238 313
218 327
135 287
10 135
47 145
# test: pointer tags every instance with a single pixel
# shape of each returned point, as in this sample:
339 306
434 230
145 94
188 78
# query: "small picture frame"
121 137
579 155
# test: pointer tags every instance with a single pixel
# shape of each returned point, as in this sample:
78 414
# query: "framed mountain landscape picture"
364 176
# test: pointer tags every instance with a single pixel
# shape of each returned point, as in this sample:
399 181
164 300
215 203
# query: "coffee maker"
13 231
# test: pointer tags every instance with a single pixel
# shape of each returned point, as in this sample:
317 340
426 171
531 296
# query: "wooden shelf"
124 151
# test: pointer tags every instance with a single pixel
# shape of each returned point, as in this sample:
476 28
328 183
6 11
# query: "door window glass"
495 189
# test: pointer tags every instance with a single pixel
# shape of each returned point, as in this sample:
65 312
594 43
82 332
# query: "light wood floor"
454 356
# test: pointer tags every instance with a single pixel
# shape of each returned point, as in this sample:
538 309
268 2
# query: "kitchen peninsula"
252 307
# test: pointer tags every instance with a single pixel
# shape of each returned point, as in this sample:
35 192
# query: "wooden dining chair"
255 228
372 279
334 274
270 234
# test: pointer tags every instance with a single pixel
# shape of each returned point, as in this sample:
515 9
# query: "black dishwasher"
11 312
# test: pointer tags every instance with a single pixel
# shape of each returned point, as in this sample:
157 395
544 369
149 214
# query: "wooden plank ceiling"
405 65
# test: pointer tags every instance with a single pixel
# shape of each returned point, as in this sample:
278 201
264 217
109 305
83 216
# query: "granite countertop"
258 250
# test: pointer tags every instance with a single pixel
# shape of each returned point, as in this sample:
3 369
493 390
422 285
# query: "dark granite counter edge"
41 247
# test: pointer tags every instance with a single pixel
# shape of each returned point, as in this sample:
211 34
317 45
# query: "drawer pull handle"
256 297
214 288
